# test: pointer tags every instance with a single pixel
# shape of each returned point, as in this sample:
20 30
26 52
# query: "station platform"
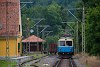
22 59
19 60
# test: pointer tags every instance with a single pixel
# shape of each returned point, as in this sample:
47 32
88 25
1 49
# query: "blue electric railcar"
65 46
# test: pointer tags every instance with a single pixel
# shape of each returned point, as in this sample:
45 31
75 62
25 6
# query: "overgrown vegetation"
4 63
54 12
92 26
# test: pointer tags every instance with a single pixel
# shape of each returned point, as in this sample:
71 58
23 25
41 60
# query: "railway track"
65 63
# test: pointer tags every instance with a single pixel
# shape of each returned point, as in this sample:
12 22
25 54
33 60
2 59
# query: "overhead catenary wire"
83 25
74 15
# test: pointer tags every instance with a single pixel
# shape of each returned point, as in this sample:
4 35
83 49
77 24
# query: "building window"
18 46
19 28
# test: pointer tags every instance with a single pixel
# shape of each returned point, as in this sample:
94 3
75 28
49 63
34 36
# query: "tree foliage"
52 39
54 12
93 27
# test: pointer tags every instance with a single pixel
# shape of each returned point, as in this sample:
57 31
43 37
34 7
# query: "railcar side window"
62 43
69 43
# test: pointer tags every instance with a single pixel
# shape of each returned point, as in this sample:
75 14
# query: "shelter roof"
33 38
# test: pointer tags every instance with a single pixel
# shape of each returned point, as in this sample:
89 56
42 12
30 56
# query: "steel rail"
70 60
57 65
71 64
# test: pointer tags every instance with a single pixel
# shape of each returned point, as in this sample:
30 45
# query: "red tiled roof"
9 17
33 38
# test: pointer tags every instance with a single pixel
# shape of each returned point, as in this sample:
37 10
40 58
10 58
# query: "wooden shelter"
32 43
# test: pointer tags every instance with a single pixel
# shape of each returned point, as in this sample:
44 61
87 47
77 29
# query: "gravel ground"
64 63
78 63
30 63
47 61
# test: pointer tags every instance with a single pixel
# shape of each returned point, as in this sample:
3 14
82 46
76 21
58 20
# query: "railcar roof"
67 39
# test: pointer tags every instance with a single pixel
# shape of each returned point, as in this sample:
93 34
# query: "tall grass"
4 63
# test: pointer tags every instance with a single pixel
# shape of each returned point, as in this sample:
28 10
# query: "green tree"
52 39
92 26
53 16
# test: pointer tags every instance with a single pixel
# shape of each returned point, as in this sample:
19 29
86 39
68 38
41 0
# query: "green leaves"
91 3
52 14
93 30
52 39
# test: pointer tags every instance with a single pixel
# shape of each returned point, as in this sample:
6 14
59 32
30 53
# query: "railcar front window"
62 43
69 43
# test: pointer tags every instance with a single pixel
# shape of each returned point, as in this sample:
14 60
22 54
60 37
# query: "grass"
4 63
36 55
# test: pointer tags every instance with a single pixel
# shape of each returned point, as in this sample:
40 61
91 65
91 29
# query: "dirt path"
89 61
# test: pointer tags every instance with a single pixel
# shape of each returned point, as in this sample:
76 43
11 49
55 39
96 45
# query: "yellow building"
14 48
10 28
